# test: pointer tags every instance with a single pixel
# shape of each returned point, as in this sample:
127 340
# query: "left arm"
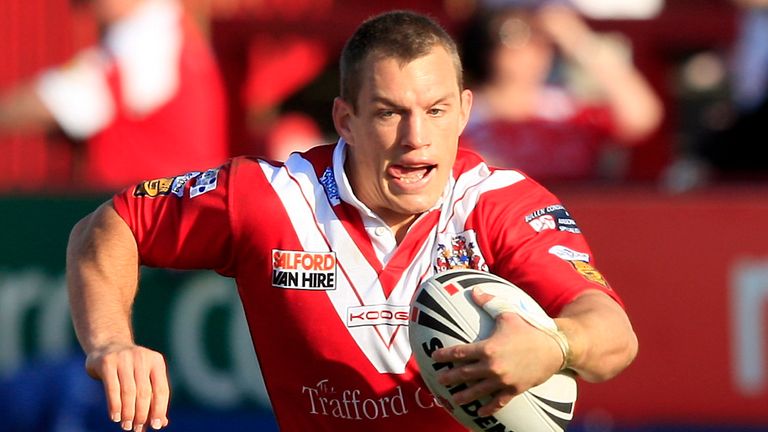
601 339
518 356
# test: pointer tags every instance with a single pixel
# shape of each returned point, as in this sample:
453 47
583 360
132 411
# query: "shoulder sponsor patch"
204 183
164 186
304 270
580 262
568 254
554 217
177 187
590 273
153 188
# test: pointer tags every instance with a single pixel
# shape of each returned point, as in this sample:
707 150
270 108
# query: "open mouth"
409 174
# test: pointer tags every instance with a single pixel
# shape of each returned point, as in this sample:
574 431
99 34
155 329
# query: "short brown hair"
402 35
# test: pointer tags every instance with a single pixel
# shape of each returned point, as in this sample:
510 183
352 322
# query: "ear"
342 114
464 110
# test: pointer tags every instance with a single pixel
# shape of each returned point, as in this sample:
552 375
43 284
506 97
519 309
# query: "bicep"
175 225
102 231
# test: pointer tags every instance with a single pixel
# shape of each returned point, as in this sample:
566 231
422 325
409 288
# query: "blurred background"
648 118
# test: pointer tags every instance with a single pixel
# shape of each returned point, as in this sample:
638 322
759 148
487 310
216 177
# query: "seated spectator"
522 120
146 101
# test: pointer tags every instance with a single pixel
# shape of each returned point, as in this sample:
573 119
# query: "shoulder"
502 190
471 168
317 158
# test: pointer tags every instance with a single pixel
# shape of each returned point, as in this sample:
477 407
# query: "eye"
435 112
385 114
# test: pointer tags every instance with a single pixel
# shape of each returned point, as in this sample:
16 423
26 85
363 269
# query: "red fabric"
237 218
186 133
563 149
279 66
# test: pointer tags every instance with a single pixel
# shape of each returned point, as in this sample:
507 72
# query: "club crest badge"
459 251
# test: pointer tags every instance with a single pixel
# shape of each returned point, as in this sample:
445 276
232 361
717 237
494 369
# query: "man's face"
404 134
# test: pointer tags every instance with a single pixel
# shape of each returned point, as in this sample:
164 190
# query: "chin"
416 206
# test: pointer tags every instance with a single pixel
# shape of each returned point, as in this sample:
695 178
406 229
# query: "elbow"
77 235
625 357
613 364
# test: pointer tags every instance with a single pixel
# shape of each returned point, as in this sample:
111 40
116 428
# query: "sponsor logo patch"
590 273
580 263
459 251
153 188
568 254
304 270
205 183
554 217
377 315
177 187
331 188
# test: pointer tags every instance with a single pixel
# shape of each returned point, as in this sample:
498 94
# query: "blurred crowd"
564 91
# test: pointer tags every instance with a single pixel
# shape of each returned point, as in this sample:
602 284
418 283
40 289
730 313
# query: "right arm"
102 278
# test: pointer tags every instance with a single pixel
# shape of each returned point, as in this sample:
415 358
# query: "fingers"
143 393
480 388
127 390
492 300
499 401
496 369
462 373
112 391
135 384
160 396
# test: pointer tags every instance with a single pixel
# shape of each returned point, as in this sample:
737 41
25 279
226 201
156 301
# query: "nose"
415 131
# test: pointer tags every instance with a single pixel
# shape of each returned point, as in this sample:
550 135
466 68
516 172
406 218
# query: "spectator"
146 100
522 120
738 151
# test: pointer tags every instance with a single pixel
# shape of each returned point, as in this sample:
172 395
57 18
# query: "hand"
565 28
516 357
135 383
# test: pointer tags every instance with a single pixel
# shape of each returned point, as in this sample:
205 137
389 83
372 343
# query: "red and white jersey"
326 289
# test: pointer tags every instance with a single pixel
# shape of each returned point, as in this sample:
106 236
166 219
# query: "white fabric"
382 237
320 230
145 46
77 95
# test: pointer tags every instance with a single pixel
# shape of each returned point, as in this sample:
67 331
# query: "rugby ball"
443 315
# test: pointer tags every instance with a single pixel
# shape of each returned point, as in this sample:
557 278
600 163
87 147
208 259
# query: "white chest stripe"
466 193
320 230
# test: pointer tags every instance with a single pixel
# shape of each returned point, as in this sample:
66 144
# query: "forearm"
102 278
22 110
600 336
636 108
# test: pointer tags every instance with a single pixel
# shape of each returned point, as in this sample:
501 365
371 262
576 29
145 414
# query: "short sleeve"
536 244
181 222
